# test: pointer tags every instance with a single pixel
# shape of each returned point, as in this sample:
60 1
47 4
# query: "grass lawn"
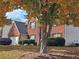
13 52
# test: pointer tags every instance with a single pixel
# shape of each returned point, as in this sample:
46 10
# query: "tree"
46 12
69 12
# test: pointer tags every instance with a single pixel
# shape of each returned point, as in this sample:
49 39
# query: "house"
15 31
33 30
22 27
14 34
69 32
20 31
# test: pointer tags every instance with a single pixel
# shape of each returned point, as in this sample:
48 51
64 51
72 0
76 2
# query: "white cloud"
17 15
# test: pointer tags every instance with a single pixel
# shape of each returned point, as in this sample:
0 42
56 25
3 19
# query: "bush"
27 42
77 44
56 42
73 45
5 41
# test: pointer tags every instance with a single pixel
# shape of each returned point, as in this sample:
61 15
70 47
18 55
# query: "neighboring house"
33 30
14 34
5 31
19 31
69 32
15 31
22 29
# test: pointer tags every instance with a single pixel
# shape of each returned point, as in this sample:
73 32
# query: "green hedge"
50 42
27 42
56 42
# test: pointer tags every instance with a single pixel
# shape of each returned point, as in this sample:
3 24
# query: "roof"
21 27
14 31
17 29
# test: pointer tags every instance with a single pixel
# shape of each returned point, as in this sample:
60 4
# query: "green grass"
13 52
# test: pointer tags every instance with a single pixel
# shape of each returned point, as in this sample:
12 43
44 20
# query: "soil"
54 53
47 56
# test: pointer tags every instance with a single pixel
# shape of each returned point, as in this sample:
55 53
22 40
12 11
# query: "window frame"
31 26
55 35
34 37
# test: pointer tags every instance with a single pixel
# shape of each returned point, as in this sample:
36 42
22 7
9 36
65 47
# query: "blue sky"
17 15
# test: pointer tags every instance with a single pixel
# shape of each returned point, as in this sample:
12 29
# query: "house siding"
71 34
58 29
15 40
34 31
6 30
23 37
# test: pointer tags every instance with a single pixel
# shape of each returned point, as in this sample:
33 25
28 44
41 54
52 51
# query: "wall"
34 31
58 29
23 37
15 40
5 31
71 34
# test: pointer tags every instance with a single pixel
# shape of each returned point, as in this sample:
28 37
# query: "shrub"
77 44
73 45
28 42
5 41
56 42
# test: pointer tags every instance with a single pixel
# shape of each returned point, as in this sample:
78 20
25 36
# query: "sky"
17 15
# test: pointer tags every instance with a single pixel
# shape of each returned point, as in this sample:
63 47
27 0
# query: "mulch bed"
54 53
46 56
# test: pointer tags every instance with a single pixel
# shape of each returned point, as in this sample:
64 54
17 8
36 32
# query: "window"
33 25
57 35
32 37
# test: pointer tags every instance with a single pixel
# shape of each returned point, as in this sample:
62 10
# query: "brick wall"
36 31
58 29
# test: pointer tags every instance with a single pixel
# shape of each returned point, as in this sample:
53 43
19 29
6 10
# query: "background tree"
69 12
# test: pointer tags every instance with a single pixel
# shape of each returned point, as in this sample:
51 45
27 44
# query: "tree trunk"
43 40
43 47
45 35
